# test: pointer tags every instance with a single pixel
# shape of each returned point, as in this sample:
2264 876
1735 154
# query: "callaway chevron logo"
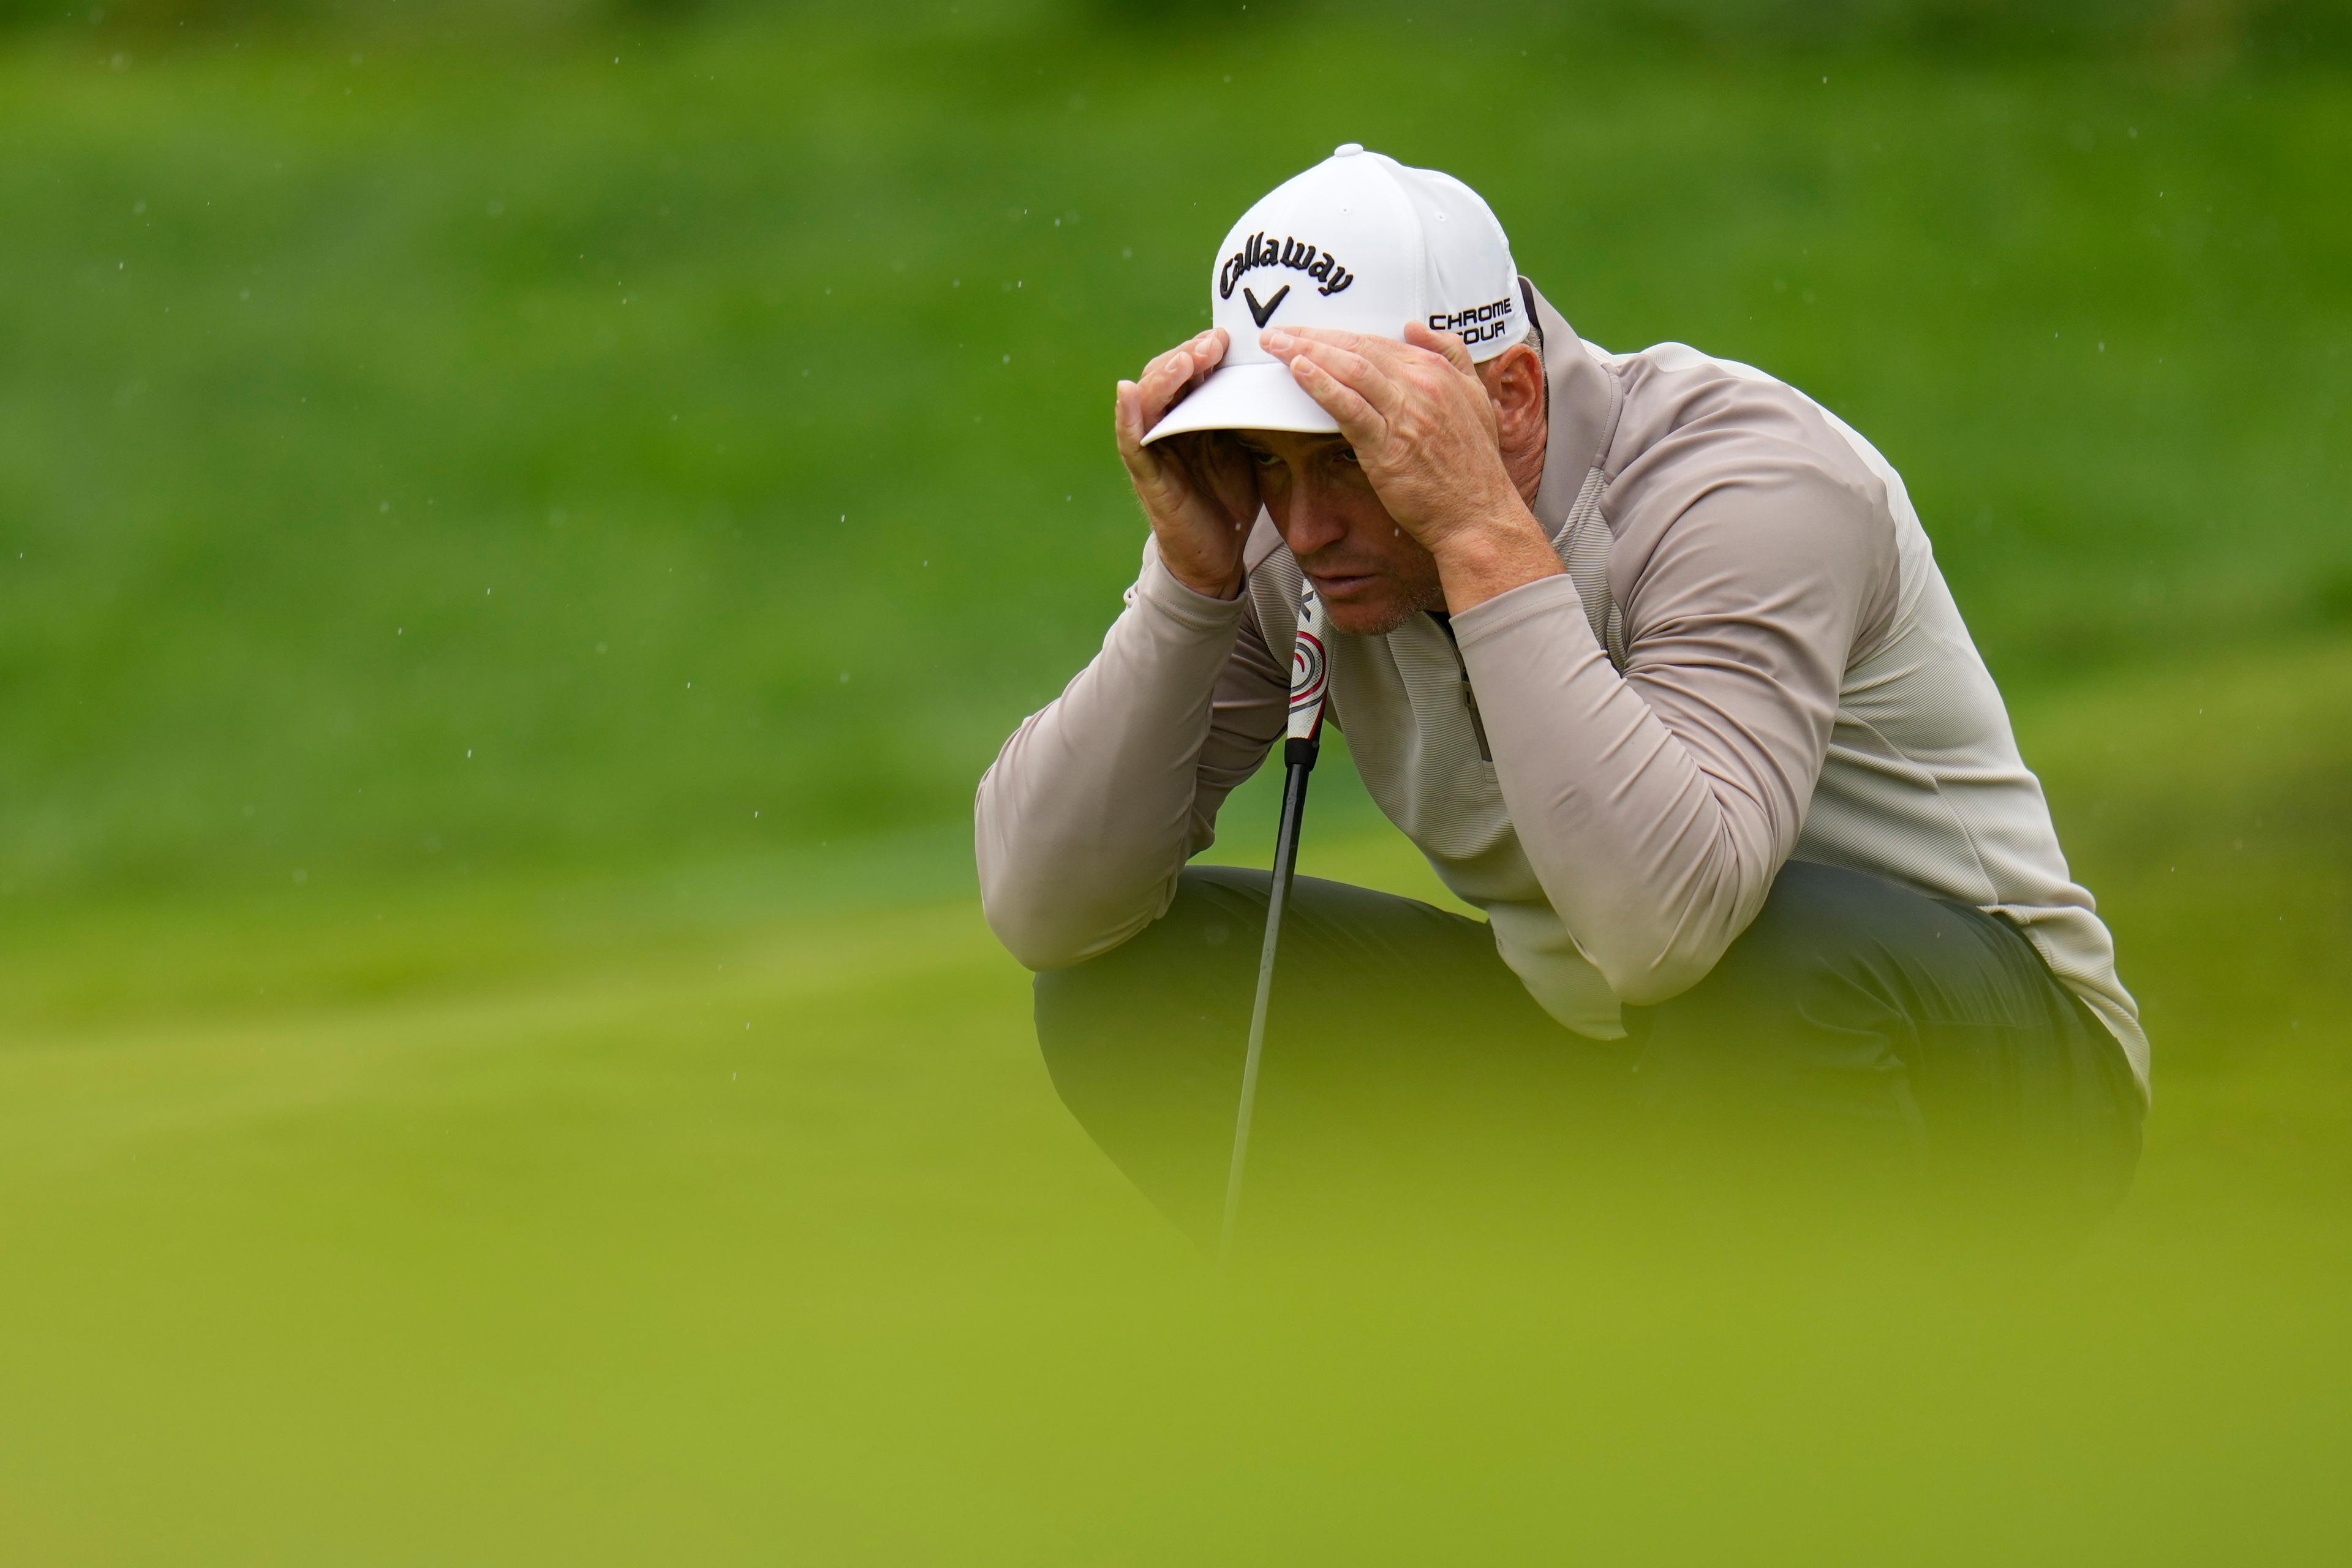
1259 251
1263 313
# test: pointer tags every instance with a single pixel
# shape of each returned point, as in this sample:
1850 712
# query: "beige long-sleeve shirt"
1790 678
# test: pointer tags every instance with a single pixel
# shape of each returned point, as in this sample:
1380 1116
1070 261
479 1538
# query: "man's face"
1371 574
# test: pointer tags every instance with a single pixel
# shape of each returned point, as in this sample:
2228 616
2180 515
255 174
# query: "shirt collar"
1585 399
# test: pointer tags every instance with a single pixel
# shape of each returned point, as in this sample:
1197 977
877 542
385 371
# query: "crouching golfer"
1649 655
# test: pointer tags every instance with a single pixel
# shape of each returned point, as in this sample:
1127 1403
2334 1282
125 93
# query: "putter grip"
1300 751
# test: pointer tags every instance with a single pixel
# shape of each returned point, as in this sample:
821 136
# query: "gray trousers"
1861 1050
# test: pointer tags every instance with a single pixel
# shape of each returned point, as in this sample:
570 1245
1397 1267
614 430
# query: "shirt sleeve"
1090 811
1656 807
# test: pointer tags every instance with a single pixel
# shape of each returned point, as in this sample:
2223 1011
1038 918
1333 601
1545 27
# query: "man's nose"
1311 521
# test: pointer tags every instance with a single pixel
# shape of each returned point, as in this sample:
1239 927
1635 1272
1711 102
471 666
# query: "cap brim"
1246 397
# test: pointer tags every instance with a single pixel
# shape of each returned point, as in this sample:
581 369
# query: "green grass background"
518 535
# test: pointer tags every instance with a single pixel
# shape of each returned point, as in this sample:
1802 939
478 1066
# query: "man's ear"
1514 383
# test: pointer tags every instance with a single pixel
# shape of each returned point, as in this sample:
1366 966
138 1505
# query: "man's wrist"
1230 587
1503 550
1171 594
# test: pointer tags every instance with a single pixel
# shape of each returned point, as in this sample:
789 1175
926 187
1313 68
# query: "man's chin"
1369 614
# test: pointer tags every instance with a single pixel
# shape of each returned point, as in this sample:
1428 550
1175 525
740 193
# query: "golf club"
1308 674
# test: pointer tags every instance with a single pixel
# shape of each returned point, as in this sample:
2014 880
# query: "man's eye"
1346 457
1263 460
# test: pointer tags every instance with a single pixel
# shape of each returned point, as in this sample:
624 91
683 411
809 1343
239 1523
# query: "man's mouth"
1341 584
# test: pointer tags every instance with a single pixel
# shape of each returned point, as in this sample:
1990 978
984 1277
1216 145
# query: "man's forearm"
1650 869
1089 811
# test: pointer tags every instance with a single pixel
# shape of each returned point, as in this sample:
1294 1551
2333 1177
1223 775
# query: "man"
1651 657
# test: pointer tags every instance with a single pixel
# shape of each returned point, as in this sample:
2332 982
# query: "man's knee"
1209 930
1144 1043
1814 917
1800 1028
1175 990
1817 924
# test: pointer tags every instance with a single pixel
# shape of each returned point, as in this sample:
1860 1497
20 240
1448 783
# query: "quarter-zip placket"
1469 693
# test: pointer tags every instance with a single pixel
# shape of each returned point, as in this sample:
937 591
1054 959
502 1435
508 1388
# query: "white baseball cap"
1358 242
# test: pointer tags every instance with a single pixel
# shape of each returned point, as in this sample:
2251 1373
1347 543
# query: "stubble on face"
1375 615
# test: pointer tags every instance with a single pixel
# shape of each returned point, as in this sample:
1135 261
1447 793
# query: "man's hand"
1423 429
1199 491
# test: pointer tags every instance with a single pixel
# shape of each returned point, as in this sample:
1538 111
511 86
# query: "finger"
1169 379
1185 355
1392 356
1153 386
1217 460
1209 349
1196 454
1233 479
1450 344
1176 363
1368 344
1180 361
1126 421
1148 466
1360 421
1357 371
1203 351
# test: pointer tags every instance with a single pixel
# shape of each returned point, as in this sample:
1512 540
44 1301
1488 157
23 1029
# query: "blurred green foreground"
511 561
